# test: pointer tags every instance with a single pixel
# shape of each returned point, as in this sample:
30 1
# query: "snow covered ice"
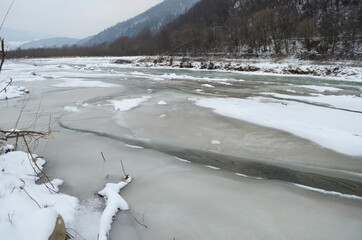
335 129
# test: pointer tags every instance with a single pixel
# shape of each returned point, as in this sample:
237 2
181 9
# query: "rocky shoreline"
348 70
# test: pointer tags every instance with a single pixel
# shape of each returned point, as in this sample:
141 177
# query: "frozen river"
214 155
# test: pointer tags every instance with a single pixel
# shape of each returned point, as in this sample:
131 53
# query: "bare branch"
6 15
34 162
2 53
139 222
25 102
23 188
37 115
7 85
103 156
125 174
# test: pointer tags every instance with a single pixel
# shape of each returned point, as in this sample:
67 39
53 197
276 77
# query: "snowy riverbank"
28 208
346 70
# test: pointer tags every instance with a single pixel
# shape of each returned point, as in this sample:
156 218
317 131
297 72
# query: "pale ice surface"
82 83
334 129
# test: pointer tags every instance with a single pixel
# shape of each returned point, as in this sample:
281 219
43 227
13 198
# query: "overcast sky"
70 18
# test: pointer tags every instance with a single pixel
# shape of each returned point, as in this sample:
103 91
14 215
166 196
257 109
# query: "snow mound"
113 204
10 91
27 208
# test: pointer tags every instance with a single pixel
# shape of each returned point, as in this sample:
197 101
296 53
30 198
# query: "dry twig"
5 89
2 53
11 218
23 188
103 156
139 222
124 172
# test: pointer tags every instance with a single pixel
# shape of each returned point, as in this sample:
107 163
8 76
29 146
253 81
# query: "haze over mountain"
154 19
50 42
14 37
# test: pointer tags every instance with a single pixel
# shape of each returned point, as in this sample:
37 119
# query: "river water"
210 152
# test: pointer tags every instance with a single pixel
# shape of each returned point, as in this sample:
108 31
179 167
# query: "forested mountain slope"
267 27
153 19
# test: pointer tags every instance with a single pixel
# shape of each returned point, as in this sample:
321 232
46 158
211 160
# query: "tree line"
305 28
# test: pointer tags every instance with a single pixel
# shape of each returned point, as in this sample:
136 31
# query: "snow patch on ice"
162 103
247 176
134 146
225 83
349 196
207 85
212 167
114 202
10 91
182 160
128 104
71 109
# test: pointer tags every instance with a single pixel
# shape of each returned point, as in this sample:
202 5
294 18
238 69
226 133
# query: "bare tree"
1 39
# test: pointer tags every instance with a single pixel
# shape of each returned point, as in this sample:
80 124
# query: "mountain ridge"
154 19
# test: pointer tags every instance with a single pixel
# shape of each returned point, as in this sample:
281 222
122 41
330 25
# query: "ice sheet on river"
331 128
348 102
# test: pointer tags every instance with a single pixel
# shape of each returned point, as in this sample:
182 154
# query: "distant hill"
83 42
50 43
154 19
14 37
